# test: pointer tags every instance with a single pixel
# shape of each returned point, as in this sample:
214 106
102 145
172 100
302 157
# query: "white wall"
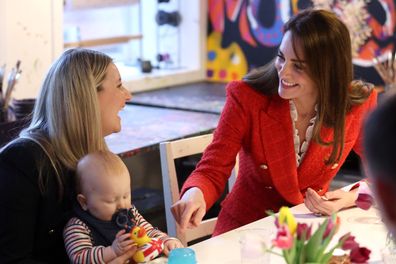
31 33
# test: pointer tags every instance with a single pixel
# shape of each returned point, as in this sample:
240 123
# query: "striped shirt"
79 242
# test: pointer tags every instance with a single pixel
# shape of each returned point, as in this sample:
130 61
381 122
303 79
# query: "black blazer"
31 222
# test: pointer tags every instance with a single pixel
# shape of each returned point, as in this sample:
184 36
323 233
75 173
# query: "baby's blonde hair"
100 162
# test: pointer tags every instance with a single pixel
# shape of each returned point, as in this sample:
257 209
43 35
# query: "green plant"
299 246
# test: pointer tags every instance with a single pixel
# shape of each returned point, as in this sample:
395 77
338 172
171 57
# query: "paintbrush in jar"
12 80
2 73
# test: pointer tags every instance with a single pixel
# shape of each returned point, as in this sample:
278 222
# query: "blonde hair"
104 162
66 119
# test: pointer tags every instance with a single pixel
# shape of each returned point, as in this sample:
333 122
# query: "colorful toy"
148 248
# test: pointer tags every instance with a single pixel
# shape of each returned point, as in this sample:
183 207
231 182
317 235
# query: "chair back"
169 151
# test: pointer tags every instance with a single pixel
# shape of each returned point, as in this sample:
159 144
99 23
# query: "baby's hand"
122 243
171 244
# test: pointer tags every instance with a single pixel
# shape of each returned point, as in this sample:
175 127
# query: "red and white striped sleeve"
78 243
152 232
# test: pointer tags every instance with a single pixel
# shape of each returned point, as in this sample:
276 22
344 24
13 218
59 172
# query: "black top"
103 232
31 222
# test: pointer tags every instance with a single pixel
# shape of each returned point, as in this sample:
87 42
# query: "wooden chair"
169 151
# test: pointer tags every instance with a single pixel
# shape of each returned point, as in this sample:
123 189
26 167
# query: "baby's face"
108 193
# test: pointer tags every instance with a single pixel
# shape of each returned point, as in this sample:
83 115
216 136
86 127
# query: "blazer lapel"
310 171
277 140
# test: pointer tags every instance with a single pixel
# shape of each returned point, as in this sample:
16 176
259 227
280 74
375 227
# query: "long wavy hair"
66 119
326 46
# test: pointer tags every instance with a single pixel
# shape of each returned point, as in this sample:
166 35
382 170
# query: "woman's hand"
190 209
171 244
329 203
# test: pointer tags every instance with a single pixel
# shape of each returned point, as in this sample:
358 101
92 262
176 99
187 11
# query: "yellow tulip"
285 216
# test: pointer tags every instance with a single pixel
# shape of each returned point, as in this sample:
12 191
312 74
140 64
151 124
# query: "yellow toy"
148 248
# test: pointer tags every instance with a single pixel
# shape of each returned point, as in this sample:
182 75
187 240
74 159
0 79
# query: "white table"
364 225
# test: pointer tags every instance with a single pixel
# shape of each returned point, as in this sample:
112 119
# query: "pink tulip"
334 223
365 197
364 201
303 228
360 254
329 227
277 222
284 239
349 242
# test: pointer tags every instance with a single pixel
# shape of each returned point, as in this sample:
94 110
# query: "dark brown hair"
326 44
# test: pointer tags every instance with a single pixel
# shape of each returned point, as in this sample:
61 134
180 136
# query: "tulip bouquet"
299 245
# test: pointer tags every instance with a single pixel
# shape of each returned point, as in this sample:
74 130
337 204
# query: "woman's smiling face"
112 99
294 81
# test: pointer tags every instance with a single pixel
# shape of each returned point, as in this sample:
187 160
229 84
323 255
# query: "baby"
103 189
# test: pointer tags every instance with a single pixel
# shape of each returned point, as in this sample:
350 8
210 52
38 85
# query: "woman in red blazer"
293 123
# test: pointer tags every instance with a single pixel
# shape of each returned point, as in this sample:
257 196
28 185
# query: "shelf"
86 4
136 81
102 41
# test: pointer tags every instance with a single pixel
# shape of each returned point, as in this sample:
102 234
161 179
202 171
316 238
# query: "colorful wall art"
245 34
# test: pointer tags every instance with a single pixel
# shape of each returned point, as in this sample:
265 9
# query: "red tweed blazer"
259 127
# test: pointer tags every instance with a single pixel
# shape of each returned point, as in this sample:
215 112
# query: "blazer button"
52 231
264 166
268 187
335 165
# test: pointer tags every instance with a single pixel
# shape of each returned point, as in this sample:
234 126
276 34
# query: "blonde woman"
77 107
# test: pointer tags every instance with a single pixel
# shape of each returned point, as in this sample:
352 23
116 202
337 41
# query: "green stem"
273 252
